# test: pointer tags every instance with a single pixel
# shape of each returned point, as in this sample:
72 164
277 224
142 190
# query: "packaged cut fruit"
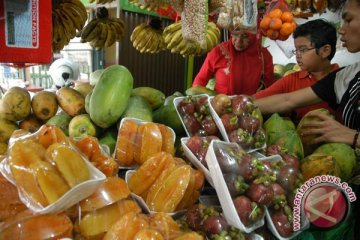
94 151
239 180
138 139
195 115
238 120
195 149
49 172
33 227
165 184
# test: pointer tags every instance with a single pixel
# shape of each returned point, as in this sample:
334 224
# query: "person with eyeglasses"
340 89
240 65
315 46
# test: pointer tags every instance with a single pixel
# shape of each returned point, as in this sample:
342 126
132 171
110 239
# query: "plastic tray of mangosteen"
195 115
250 187
239 120
210 221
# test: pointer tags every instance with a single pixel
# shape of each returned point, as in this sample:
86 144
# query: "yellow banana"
140 36
136 31
175 40
73 15
91 30
68 25
78 6
213 37
100 41
174 27
111 36
144 41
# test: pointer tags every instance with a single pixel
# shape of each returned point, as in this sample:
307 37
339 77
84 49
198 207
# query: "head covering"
246 67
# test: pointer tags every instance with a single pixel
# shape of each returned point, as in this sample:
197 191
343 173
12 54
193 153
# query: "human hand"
328 130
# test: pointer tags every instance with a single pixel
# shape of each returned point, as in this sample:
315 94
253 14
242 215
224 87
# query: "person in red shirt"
240 65
315 43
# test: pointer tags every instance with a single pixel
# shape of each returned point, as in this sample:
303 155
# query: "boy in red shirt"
315 44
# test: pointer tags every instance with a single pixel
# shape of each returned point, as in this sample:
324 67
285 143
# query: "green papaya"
344 156
138 107
167 115
196 90
87 102
95 76
110 96
109 139
306 140
81 125
275 123
155 97
317 164
289 140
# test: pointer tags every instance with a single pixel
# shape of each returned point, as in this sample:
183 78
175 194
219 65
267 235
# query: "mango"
71 101
84 88
155 97
6 129
15 105
44 105
62 121
82 125
30 124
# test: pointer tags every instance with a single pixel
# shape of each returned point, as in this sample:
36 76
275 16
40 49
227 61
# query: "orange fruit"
287 17
286 29
275 24
275 13
272 34
264 23
293 24
282 37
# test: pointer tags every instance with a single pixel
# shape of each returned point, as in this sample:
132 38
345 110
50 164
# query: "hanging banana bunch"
101 1
148 38
103 31
67 17
177 44
150 5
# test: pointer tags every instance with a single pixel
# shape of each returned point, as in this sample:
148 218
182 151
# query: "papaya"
84 88
82 125
275 123
167 115
290 140
30 124
307 139
95 76
138 107
155 97
62 121
15 105
109 139
44 105
6 129
344 156
87 101
110 95
71 101
318 164
196 90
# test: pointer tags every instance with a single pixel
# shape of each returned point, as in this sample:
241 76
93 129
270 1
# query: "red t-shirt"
293 82
236 72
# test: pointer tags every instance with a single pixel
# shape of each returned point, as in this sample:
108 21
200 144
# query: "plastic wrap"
50 173
239 121
138 139
194 112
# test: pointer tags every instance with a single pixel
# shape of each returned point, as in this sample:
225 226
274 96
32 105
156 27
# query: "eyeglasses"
301 51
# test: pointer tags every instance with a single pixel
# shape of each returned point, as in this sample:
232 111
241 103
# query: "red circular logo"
325 206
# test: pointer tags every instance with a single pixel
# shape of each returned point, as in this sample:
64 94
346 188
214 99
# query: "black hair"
320 32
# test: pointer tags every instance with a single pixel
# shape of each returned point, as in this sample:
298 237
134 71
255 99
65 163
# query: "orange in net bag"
278 22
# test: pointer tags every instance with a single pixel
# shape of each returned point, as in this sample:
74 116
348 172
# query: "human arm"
206 72
330 130
287 101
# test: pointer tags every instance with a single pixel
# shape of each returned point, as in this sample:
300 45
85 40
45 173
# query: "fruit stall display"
105 160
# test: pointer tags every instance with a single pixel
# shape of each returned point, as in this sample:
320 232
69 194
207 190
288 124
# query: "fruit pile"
239 119
199 146
278 24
